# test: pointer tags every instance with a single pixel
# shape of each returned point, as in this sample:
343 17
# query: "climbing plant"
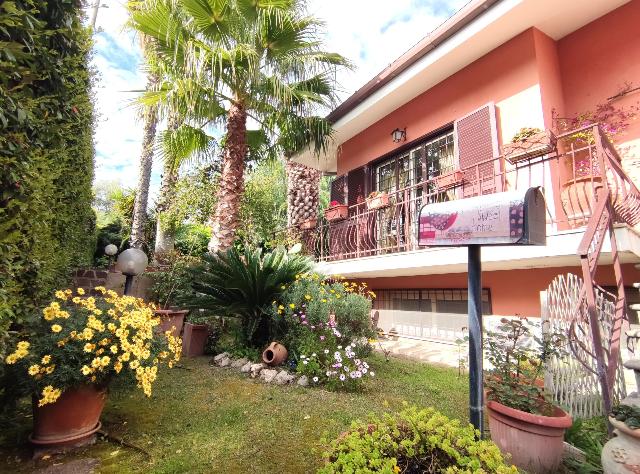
46 151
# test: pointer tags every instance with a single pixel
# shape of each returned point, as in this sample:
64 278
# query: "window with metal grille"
451 300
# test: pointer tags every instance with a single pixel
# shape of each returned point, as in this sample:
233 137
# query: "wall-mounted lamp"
399 135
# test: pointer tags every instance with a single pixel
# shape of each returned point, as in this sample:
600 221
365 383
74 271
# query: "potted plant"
522 420
450 179
529 143
377 200
171 283
71 353
195 335
336 211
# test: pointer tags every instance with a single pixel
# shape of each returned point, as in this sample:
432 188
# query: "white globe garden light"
131 262
111 250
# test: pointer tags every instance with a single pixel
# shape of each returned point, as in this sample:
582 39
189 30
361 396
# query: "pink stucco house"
458 97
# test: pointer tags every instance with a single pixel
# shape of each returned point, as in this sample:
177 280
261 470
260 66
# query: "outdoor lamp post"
110 250
131 262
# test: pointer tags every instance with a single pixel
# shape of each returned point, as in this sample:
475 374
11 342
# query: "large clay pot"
621 454
534 442
194 339
72 419
578 198
275 354
171 320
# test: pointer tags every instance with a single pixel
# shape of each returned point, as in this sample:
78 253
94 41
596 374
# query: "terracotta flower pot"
194 339
542 143
309 224
578 198
275 354
336 213
449 180
71 420
534 442
378 202
171 320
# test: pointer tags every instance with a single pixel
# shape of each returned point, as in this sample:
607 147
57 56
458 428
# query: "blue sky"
371 33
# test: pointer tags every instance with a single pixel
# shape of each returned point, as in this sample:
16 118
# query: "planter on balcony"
336 213
578 198
449 180
539 144
377 201
309 224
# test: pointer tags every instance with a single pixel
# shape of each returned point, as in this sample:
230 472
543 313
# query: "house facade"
436 126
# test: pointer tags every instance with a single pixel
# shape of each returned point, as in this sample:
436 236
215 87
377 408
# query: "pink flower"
322 338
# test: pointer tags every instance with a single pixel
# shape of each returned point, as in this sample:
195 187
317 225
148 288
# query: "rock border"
260 371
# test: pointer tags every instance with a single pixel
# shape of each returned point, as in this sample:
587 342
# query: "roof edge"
447 29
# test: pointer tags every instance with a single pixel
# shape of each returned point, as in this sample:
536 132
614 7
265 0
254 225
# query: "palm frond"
186 144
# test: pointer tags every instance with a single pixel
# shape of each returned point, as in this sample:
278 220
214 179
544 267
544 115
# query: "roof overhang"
474 31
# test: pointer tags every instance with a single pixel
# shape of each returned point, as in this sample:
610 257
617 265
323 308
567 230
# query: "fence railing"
570 178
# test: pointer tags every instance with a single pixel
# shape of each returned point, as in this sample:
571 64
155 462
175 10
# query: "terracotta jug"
275 354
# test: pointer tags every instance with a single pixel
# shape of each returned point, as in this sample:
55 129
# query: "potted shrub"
522 420
195 335
171 283
450 179
336 211
72 352
377 200
529 143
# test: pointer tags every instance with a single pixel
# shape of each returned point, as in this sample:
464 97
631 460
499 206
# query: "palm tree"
230 60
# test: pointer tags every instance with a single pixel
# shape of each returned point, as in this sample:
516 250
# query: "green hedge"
47 225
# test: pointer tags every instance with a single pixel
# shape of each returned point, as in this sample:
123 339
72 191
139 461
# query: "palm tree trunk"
226 214
165 231
303 189
146 162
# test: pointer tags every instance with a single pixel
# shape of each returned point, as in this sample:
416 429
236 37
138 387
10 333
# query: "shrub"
413 441
172 282
244 285
46 151
80 340
319 297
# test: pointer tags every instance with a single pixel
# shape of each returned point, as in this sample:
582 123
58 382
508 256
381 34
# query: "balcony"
570 178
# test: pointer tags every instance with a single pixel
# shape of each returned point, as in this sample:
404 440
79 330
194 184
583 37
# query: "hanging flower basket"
449 180
377 200
309 224
336 213
538 144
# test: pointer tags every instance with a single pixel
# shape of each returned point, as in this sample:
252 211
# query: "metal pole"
474 286
128 283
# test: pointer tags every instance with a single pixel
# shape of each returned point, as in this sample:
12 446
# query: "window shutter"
356 186
338 189
476 137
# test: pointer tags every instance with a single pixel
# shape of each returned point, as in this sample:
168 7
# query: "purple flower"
342 377
322 338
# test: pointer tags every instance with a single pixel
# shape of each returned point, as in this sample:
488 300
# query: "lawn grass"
203 419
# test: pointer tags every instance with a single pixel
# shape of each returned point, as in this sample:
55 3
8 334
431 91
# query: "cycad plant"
228 61
244 284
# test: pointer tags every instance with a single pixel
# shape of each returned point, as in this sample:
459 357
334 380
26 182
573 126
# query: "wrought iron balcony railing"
570 177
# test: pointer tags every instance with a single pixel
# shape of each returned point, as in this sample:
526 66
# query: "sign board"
509 218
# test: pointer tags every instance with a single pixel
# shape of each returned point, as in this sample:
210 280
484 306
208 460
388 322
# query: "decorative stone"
284 378
236 364
246 367
303 381
226 362
268 375
219 357
256 369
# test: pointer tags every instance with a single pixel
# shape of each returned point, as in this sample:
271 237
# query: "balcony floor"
560 251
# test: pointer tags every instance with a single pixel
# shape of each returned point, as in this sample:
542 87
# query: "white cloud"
370 33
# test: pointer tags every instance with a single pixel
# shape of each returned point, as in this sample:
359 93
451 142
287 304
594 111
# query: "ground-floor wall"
512 292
